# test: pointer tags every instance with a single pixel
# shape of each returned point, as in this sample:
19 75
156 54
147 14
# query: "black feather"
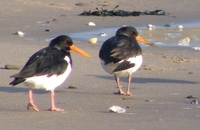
120 47
123 66
48 61
17 81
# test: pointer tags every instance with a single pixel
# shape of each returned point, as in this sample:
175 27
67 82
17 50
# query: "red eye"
65 41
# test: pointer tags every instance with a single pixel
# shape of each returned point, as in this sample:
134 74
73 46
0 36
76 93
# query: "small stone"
148 100
190 73
19 33
63 15
91 24
48 30
194 102
102 34
191 97
92 40
81 4
13 67
167 25
72 87
55 20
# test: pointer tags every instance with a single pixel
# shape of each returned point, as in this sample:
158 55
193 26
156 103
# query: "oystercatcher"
122 55
48 68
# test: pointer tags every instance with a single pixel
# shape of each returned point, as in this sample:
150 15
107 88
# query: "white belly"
111 66
48 83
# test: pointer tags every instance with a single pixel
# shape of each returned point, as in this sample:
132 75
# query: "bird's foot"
56 109
119 92
30 104
127 93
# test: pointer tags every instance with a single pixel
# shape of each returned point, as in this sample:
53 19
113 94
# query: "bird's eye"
65 41
133 33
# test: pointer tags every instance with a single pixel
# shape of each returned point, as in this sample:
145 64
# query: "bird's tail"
17 81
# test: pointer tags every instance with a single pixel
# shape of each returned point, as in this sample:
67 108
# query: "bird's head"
132 32
64 42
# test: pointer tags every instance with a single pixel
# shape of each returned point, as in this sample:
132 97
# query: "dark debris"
123 13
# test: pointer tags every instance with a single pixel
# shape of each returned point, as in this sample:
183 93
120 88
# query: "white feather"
48 83
111 66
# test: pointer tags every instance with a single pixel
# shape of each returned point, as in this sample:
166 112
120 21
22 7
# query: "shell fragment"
117 109
92 40
150 26
102 34
196 48
180 26
91 24
184 42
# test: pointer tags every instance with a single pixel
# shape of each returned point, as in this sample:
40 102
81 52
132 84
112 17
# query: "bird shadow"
9 89
139 80
142 80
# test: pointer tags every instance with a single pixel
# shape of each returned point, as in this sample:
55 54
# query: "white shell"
180 26
91 24
117 109
150 26
102 34
19 33
196 48
92 40
184 42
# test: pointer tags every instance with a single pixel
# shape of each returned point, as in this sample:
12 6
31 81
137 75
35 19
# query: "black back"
121 46
47 61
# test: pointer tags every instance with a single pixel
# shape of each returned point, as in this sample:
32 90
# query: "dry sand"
160 88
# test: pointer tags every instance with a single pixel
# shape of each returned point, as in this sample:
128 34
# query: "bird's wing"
119 48
106 48
125 49
123 66
47 61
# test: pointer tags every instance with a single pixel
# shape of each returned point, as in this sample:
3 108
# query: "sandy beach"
160 88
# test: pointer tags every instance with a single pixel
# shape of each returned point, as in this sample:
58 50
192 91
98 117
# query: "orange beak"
141 39
76 49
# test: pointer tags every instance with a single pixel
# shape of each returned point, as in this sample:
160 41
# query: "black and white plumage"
48 68
122 55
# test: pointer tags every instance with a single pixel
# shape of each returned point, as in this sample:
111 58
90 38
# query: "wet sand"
168 74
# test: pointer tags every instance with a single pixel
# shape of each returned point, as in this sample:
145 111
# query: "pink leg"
119 86
31 103
128 86
53 107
